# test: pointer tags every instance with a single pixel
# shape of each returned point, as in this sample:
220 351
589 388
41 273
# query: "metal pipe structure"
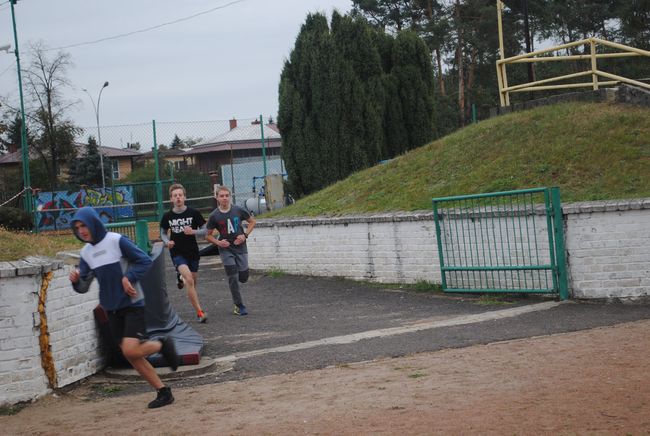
99 133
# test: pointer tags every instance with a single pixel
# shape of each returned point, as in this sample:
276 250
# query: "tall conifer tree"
346 98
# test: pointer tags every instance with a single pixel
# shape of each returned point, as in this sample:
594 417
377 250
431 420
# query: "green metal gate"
509 241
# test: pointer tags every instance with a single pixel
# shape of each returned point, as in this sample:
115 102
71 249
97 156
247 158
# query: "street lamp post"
99 133
23 128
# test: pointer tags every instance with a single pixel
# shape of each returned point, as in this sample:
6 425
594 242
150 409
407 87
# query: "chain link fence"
237 153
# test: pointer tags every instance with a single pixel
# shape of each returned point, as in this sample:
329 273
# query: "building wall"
125 167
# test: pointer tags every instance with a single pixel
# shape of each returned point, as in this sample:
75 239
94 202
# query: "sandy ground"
589 382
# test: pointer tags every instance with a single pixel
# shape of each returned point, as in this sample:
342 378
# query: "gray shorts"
234 256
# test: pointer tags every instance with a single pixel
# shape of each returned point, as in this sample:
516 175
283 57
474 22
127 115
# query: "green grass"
107 390
592 151
12 410
494 300
275 272
424 286
420 286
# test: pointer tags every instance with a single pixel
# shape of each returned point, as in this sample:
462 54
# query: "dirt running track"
588 382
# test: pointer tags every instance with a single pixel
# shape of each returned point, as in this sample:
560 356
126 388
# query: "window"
115 169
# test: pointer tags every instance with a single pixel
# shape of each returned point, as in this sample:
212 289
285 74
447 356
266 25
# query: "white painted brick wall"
73 338
73 334
386 248
607 243
609 251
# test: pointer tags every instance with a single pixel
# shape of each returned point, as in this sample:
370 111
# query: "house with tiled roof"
177 156
239 144
238 158
122 160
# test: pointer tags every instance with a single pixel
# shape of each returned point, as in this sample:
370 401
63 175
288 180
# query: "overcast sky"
218 65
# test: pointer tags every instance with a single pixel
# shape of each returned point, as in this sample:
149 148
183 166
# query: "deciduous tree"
54 132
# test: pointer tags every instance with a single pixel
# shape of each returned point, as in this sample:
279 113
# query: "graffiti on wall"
54 210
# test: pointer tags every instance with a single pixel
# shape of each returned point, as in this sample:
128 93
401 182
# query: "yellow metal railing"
594 72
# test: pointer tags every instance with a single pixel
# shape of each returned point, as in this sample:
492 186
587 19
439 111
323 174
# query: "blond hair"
223 188
176 186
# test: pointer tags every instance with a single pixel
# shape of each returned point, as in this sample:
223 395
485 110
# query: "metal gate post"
441 258
558 226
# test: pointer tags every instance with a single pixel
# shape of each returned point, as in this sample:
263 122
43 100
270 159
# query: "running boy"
118 265
227 219
185 223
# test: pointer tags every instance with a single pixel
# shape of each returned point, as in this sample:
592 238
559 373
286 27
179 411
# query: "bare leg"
135 352
190 283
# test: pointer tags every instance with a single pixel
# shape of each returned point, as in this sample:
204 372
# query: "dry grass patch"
15 245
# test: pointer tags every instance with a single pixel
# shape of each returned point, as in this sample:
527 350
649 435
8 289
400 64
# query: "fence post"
263 145
558 224
159 201
142 235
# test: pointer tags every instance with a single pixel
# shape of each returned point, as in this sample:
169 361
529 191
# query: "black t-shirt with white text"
184 245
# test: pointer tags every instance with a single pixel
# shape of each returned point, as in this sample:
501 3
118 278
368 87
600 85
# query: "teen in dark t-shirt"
227 219
185 224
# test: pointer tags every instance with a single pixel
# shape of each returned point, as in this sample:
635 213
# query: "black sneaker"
168 350
163 398
179 281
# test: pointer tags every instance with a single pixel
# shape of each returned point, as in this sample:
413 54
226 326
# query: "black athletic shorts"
128 322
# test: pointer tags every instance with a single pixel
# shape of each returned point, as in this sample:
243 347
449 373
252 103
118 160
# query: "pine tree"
413 74
86 170
351 96
176 143
12 137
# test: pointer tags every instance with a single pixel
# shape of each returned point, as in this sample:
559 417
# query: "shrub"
12 218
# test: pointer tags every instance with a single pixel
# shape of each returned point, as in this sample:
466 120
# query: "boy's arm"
164 236
210 238
201 231
139 261
84 277
210 229
251 225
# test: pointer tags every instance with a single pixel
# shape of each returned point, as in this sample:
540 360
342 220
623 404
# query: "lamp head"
5 47
105 84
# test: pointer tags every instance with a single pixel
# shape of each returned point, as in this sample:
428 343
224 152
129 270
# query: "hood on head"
91 219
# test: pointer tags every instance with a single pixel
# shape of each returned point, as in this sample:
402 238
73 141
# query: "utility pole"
99 133
27 184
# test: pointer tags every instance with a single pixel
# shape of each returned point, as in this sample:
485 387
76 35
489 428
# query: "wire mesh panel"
136 231
500 242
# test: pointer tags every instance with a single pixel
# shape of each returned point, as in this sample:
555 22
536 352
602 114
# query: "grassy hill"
592 151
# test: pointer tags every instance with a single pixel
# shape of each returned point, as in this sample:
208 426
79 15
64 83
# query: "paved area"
329 356
302 323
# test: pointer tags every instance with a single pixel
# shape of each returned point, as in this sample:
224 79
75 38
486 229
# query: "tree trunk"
461 72
441 78
471 74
